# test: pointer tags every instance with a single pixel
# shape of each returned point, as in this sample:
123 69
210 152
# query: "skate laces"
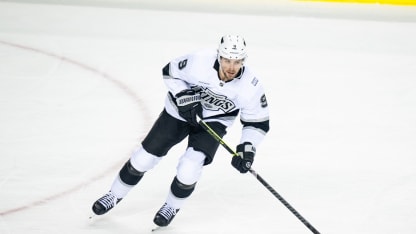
108 201
167 211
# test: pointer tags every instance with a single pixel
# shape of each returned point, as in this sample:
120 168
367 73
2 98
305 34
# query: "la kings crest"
215 102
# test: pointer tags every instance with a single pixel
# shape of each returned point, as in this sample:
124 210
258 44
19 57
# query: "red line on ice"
107 77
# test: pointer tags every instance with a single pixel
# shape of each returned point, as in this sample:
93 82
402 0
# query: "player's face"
229 68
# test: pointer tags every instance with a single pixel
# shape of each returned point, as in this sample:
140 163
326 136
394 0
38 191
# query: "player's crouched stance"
216 86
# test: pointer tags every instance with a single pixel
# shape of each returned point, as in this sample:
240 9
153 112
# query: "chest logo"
215 102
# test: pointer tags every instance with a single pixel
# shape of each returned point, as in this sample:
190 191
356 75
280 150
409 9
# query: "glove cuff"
246 147
186 97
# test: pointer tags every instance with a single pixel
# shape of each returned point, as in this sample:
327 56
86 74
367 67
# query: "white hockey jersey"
221 101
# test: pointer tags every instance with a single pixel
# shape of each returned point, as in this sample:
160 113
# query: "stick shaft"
259 178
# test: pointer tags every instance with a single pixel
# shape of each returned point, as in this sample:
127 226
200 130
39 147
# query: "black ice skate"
165 215
105 203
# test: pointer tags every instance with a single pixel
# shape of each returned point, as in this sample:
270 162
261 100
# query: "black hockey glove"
243 162
189 105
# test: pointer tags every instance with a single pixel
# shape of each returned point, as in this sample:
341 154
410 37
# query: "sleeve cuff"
252 135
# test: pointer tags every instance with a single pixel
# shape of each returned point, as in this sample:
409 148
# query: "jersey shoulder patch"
254 81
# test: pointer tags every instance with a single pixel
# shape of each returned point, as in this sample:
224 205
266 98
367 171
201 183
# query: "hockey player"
216 86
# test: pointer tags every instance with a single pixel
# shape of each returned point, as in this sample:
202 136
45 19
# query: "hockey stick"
258 177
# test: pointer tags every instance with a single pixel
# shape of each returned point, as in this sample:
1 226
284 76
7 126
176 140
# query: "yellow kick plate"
391 2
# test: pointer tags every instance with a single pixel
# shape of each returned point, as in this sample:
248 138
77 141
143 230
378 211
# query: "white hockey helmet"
232 47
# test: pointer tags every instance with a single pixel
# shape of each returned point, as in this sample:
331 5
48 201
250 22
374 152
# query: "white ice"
80 86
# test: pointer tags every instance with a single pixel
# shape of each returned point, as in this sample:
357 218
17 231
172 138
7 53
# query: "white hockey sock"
120 189
174 201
